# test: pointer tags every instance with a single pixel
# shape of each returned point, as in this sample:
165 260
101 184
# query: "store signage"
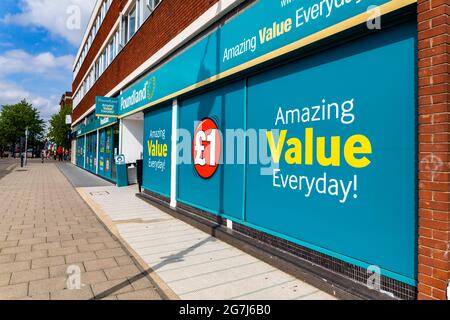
206 148
262 32
120 159
106 107
138 95
157 150
303 156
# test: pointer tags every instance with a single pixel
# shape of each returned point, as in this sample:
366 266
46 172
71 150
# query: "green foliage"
15 118
59 130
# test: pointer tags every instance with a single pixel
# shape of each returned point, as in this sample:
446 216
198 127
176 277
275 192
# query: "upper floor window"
132 23
95 28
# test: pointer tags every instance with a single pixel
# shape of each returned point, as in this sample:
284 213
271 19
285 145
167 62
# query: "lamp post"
26 146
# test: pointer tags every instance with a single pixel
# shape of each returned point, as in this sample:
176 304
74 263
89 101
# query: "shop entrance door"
115 150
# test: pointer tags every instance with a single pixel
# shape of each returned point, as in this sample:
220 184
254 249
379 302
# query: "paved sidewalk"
186 261
7 165
45 227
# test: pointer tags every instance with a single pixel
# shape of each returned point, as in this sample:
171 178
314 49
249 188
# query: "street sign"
120 159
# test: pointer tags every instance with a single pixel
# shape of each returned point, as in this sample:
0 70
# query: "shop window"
97 70
124 30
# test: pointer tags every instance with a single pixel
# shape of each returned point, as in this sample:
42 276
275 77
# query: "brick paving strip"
46 227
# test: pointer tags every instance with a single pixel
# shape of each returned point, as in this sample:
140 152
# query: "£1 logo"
206 148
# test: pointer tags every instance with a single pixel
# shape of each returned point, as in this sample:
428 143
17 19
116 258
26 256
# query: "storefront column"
120 135
97 153
84 151
434 148
173 169
73 152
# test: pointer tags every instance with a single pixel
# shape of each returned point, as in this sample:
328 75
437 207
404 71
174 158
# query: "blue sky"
37 49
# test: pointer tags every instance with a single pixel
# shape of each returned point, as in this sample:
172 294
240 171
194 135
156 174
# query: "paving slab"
190 263
47 230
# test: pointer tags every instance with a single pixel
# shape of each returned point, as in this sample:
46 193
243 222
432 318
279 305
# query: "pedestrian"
43 155
60 153
66 155
54 154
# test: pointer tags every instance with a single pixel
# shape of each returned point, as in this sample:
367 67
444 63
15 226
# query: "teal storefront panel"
105 153
255 33
157 150
101 152
357 206
91 152
109 152
80 151
223 193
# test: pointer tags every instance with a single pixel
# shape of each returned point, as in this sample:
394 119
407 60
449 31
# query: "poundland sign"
138 95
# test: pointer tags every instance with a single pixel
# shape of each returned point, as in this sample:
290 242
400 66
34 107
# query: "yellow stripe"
325 33
106 116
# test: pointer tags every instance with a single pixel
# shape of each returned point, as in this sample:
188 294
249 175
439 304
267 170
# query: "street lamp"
26 146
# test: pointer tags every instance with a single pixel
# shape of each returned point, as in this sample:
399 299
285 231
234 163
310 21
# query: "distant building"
66 99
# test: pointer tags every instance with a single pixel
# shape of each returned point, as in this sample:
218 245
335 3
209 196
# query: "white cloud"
56 16
11 93
35 69
19 62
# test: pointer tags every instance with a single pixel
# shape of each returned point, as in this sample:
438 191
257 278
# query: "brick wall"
106 26
434 148
169 18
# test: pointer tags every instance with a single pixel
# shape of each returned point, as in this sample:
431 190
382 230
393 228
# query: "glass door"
114 149
101 152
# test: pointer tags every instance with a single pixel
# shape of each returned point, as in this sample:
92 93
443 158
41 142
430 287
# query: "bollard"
139 169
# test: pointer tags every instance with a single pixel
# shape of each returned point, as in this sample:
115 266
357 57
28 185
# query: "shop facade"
299 126
96 143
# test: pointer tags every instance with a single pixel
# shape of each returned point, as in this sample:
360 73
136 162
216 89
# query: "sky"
39 40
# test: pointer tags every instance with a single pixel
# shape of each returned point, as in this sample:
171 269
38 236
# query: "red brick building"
155 47
66 100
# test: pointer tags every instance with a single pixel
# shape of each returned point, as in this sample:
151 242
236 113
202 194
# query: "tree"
59 131
15 118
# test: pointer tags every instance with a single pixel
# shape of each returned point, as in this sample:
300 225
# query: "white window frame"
133 8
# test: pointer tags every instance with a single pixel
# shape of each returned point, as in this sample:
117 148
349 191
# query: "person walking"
43 155
60 153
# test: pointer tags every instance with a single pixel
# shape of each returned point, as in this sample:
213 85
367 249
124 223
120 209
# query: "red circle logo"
206 148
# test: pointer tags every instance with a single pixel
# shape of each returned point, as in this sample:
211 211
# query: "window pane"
125 31
111 52
132 23
147 9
